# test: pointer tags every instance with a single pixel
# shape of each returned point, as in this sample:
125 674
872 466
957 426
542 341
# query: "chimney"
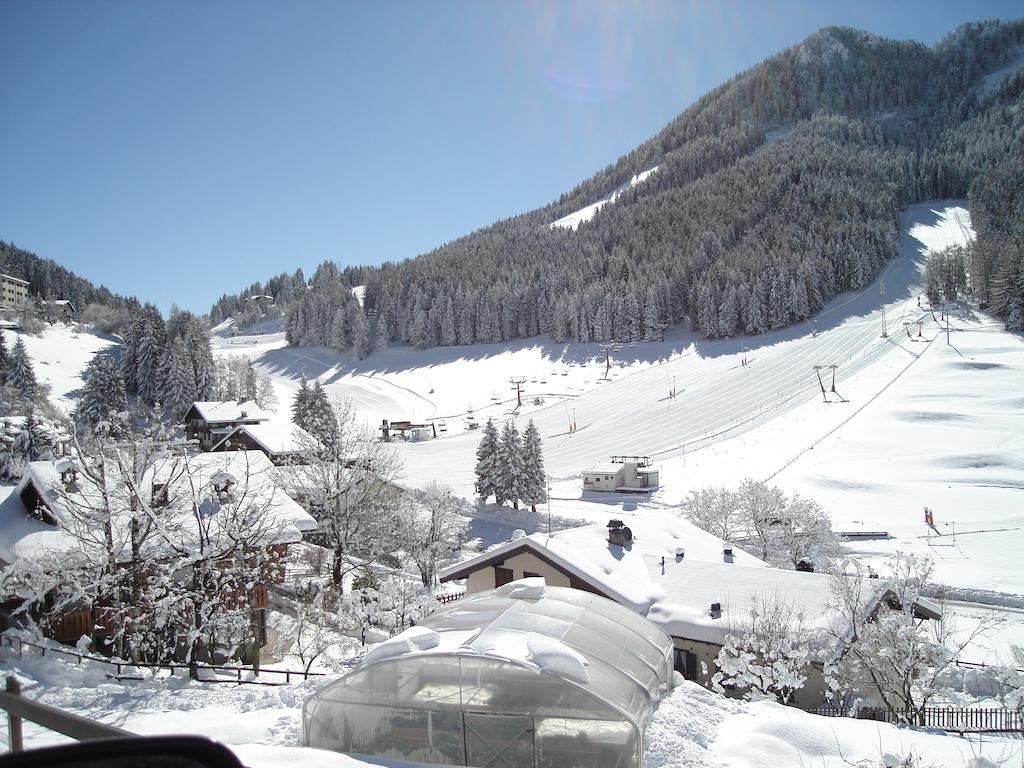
619 534
680 553
727 548
716 610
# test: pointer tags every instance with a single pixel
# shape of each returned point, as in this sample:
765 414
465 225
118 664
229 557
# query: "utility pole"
517 384
817 372
882 293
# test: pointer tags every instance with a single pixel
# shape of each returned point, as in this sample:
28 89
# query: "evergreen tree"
728 313
300 405
179 384
487 462
511 469
103 399
4 357
197 346
33 442
359 335
534 478
20 374
318 418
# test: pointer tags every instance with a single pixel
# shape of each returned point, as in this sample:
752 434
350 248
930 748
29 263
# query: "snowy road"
717 396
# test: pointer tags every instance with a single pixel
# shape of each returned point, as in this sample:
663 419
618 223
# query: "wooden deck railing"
19 708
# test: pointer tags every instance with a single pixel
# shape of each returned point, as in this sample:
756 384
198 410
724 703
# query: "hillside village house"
32 519
212 421
281 443
623 474
690 583
57 311
13 292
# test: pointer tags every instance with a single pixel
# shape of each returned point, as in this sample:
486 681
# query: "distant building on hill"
57 311
210 421
623 474
13 292
282 443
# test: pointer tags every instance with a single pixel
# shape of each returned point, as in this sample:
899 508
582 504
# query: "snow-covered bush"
784 531
767 656
887 651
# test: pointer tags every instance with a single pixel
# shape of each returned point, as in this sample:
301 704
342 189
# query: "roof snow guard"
535 673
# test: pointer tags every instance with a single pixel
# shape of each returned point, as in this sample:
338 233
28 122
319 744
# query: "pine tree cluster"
235 378
167 363
510 467
773 193
329 315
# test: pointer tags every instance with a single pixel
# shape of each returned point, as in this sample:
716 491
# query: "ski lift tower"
881 291
517 385
608 348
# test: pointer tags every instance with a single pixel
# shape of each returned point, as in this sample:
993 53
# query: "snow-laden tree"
511 474
432 530
4 356
19 374
178 384
348 485
314 412
103 405
885 650
534 487
784 531
487 460
767 653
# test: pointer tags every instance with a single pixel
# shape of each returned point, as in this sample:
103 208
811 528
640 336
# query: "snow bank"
556 658
533 588
412 640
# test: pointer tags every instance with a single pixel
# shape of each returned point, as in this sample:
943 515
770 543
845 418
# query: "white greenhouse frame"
482 696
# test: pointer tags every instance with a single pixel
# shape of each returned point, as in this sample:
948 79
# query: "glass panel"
499 741
406 734
594 645
567 743
497 686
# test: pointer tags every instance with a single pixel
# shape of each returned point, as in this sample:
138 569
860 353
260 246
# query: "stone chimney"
619 534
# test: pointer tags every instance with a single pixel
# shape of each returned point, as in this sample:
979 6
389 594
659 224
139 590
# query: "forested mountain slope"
774 192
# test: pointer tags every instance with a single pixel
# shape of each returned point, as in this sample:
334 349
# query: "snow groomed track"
717 396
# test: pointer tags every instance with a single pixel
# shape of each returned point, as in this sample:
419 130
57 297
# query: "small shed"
522 675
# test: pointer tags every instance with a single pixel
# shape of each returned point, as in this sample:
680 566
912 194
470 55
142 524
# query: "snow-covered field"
59 355
692 727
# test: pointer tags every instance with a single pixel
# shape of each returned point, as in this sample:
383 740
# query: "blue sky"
180 150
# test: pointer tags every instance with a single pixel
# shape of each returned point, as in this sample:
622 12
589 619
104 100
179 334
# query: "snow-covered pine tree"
487 462
320 420
179 384
757 321
448 336
103 399
152 352
300 405
728 313
197 345
535 479
358 330
20 375
511 470
4 357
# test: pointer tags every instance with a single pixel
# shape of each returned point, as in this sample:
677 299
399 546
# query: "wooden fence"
955 719
19 708
124 670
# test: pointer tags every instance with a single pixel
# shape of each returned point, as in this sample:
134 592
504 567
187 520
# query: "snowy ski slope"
716 395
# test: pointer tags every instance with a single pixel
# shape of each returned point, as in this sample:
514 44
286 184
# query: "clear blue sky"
180 150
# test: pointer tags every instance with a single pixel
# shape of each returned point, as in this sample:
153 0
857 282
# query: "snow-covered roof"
269 511
229 410
13 278
278 439
630 575
603 468
675 592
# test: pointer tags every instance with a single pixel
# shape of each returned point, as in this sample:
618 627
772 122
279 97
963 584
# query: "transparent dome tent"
523 675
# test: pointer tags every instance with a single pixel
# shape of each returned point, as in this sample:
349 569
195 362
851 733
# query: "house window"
685 663
502 576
